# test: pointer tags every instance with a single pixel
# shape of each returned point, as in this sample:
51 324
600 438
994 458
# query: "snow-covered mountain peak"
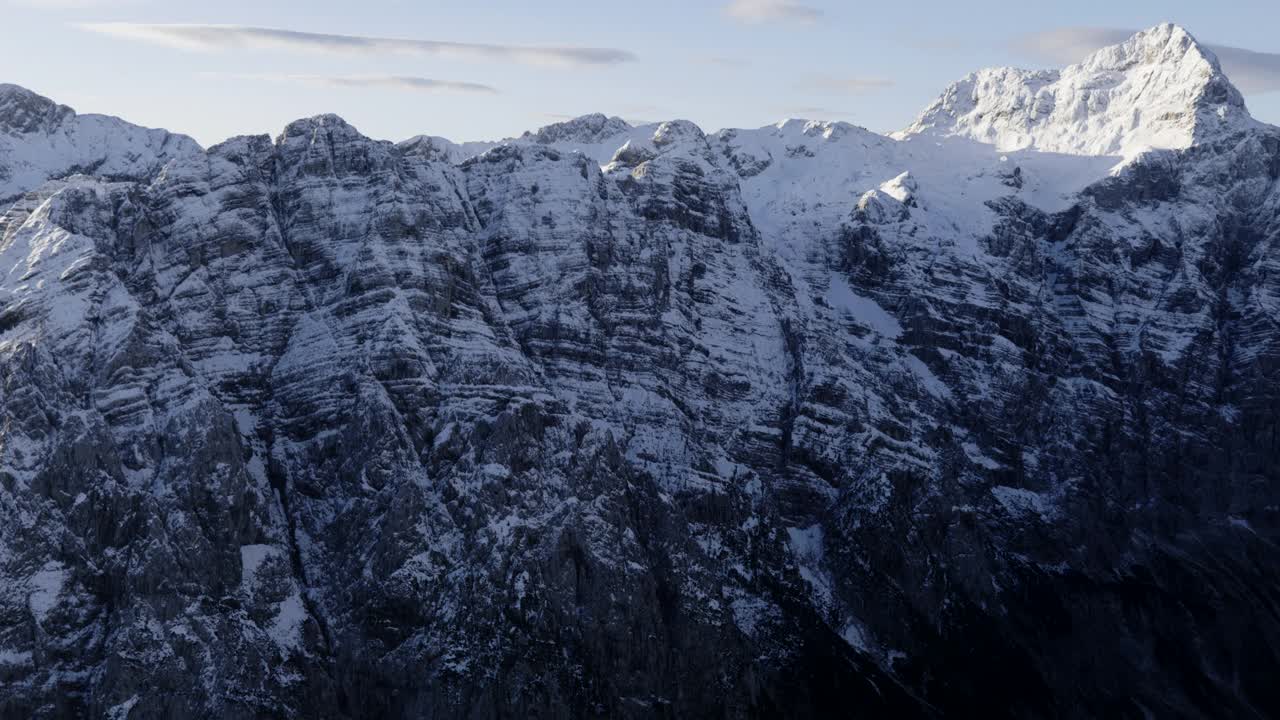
588 129
41 140
672 136
825 129
675 131
1160 89
23 111
327 123
432 147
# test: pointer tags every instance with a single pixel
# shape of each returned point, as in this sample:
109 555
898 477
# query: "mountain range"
980 418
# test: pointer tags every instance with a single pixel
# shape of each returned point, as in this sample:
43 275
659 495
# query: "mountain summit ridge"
23 111
1160 89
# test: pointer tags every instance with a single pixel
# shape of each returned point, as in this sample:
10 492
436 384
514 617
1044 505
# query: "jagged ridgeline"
614 421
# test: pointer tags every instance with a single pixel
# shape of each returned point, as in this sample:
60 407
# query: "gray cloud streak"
400 82
1251 71
224 37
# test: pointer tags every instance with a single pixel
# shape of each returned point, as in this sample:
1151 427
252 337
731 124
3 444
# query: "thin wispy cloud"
1064 46
1250 70
758 11
241 37
395 82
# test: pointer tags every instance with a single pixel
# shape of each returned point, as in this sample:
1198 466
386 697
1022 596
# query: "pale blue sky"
719 63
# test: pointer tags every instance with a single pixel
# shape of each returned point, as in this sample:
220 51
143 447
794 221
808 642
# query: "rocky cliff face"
625 422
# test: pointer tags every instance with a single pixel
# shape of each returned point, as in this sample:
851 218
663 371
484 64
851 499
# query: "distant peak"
23 111
1159 89
328 123
430 146
825 129
1174 50
1162 36
592 128
1168 41
11 93
10 90
674 131
1168 46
